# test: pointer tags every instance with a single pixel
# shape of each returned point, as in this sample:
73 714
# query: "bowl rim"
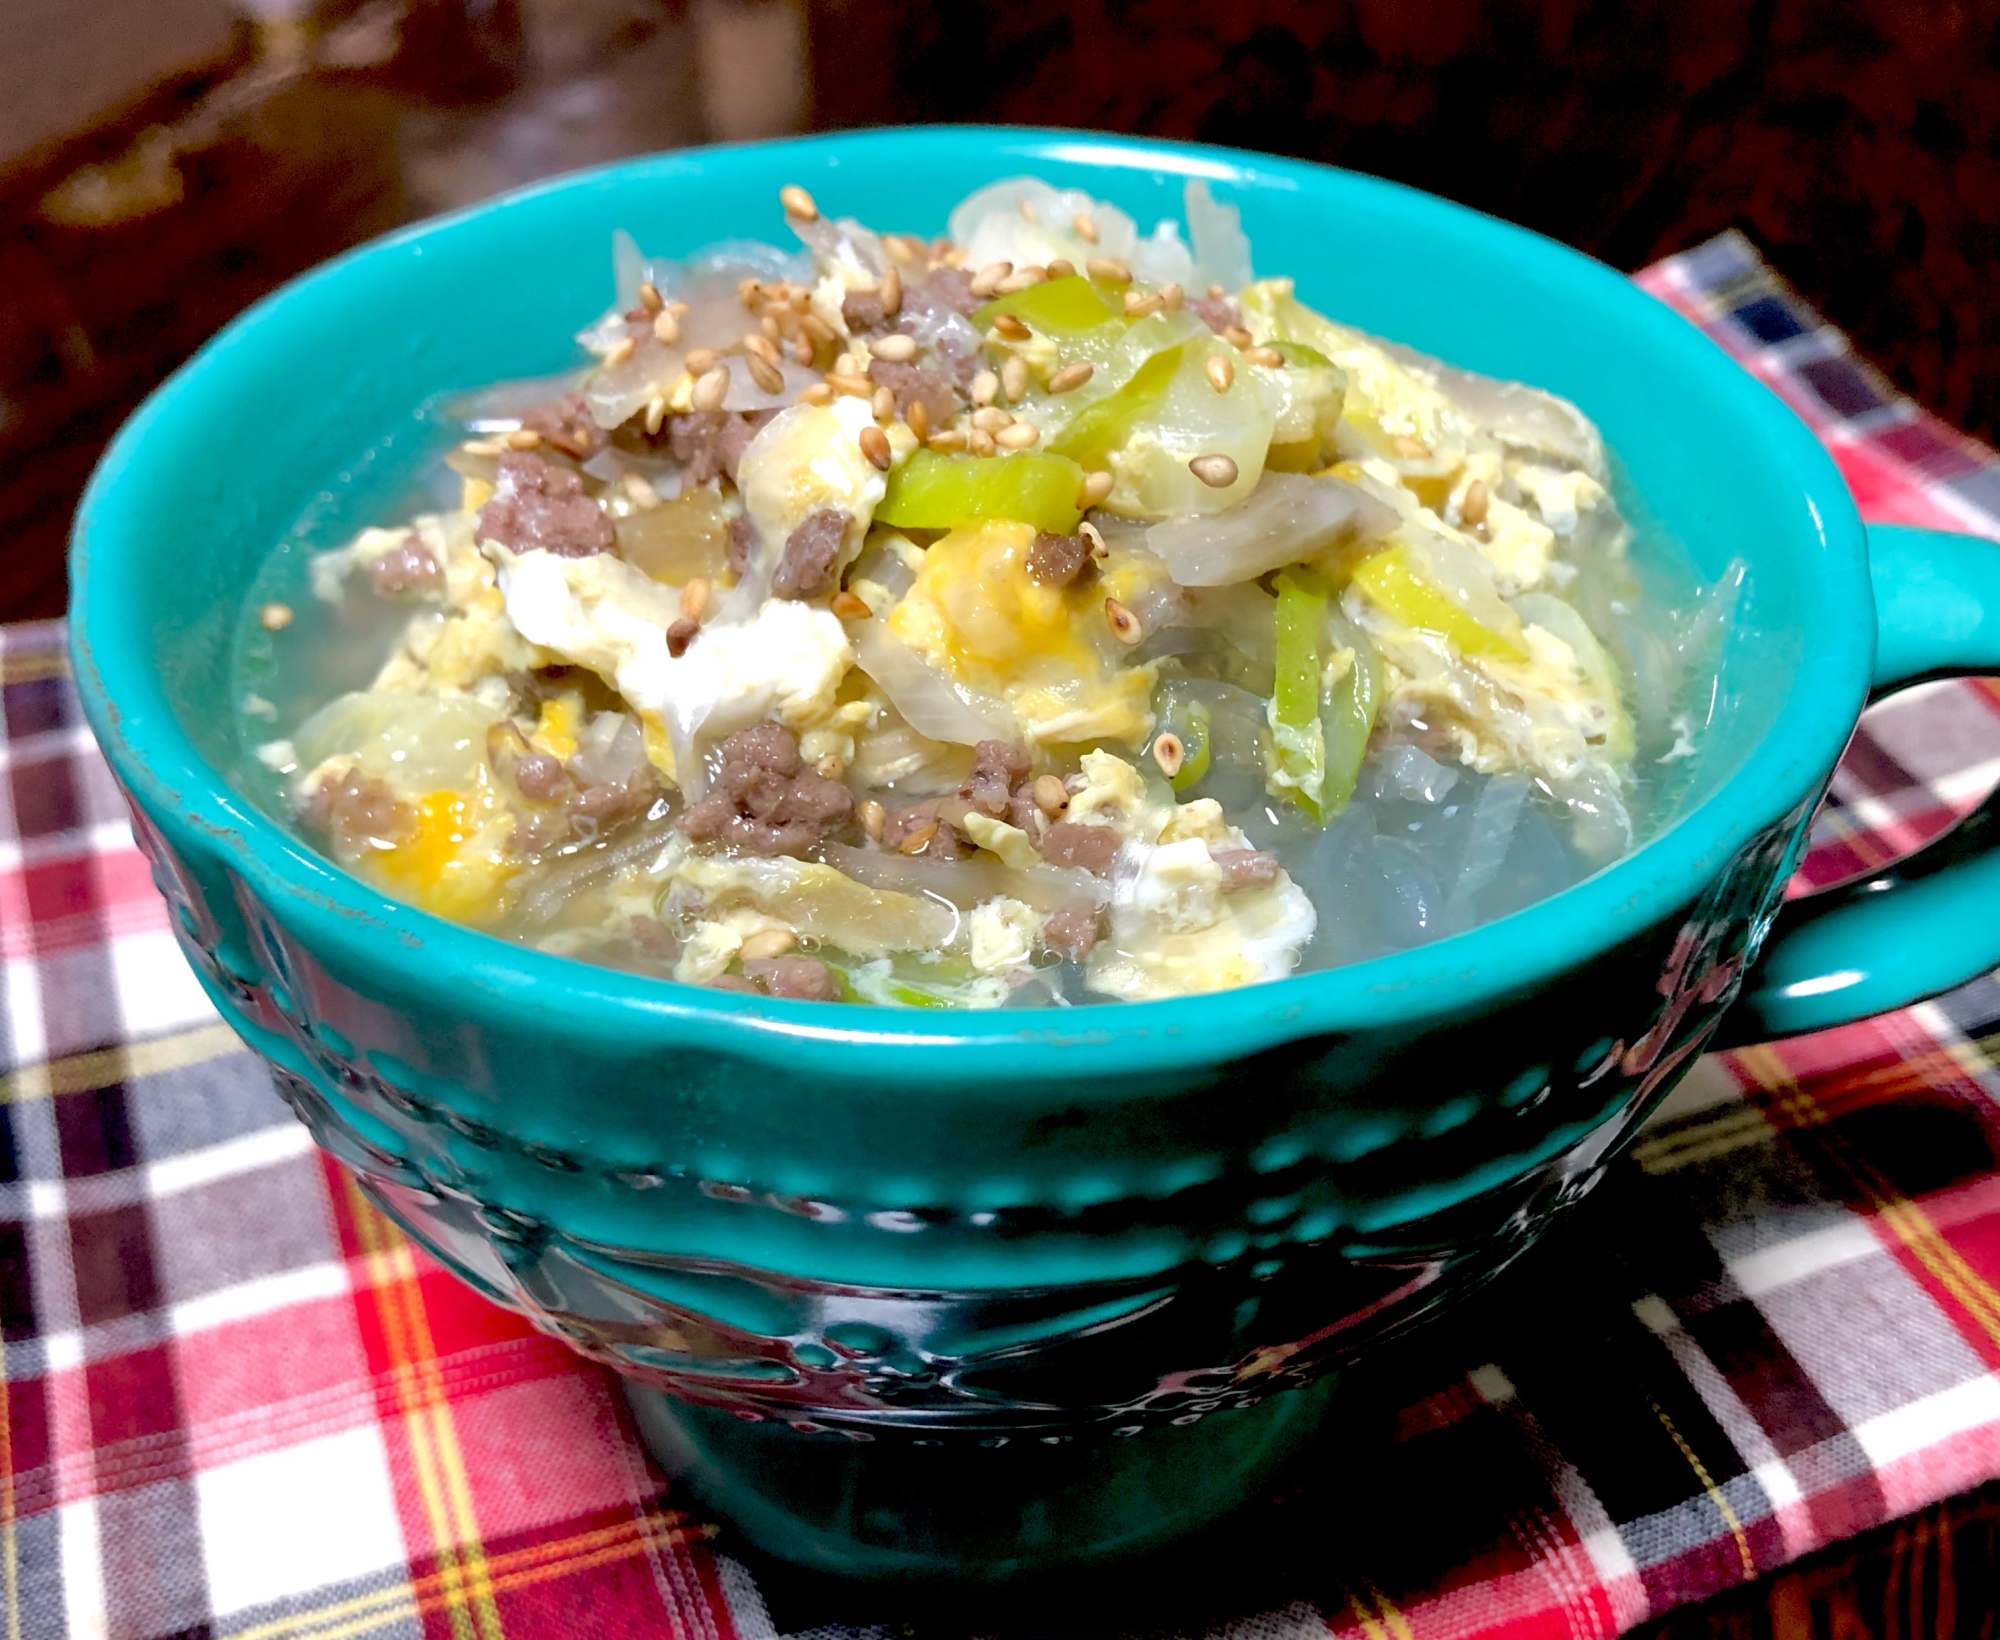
339 914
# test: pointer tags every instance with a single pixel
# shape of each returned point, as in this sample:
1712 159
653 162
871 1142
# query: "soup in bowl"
957 1283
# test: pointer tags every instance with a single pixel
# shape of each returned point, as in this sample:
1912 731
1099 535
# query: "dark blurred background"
164 162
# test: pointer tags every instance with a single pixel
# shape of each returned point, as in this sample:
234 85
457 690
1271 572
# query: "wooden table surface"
1858 141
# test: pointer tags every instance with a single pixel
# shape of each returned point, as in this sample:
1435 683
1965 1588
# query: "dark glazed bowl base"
892 1510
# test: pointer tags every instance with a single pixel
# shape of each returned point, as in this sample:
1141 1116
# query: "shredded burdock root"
987 619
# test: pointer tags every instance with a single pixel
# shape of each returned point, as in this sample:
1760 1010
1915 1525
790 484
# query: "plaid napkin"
236 1402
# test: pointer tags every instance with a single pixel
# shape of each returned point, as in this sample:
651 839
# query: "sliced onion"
932 704
1520 417
1221 248
1288 517
745 394
966 883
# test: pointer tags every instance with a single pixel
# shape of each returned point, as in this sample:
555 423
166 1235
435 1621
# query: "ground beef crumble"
1246 867
1057 560
1073 930
1217 312
711 442
407 571
806 568
356 813
1072 843
945 842
764 800
567 424
539 505
930 385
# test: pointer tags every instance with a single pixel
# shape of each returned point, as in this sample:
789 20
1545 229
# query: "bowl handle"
1931 921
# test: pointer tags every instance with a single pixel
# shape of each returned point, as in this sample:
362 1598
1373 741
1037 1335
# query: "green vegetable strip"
931 491
1299 741
1348 719
1100 428
1055 307
1196 740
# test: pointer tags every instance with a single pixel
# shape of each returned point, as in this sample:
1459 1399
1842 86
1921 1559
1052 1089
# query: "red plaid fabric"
233 1401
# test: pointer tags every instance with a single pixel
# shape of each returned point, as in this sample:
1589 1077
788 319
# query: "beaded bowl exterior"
1366 1180
1041 1236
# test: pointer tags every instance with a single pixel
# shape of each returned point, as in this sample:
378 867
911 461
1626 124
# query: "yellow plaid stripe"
32 665
101 1067
1905 1219
442 1483
516 1569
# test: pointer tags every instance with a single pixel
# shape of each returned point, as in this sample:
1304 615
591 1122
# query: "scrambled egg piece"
976 614
1549 715
808 459
1001 935
785 663
1560 496
813 900
1174 929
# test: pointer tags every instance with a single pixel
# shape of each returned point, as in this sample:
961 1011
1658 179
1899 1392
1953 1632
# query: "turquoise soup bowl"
908 1293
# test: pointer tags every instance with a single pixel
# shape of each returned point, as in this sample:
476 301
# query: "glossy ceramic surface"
1110 1235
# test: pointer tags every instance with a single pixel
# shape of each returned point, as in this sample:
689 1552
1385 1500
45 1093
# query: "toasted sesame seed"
850 606
694 598
1020 280
1062 267
1096 486
1124 624
1011 327
896 349
1172 297
817 330
919 840
850 364
855 387
484 446
523 438
770 330
275 617
656 413
883 402
767 943
1473 504
918 417
988 278
1216 293
1093 538
1169 752
875 446
1027 209
985 387
891 293
1410 449
797 202
1221 373
816 393
701 361
802 350
641 493
980 442
1218 472
1014 379
710 388
750 292
666 328
760 347
873 817
1269 357
1237 336
1138 306
990 418
1072 376
1023 435
1086 227
945 441
621 350
765 374
1108 268
649 296
899 248
1050 797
